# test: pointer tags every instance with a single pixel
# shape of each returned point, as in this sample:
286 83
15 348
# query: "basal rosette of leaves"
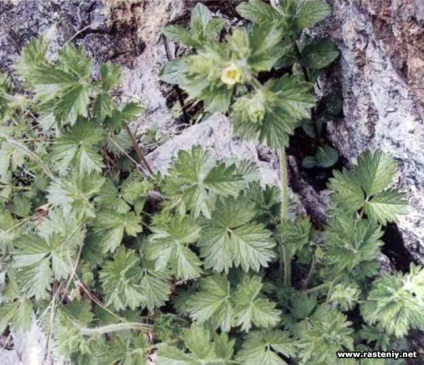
119 265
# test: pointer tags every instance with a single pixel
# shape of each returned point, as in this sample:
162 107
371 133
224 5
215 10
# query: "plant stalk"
138 150
317 288
284 186
285 257
116 327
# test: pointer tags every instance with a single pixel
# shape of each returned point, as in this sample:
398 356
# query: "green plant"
197 266
226 75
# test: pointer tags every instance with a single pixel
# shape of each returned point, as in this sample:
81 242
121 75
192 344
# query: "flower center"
231 75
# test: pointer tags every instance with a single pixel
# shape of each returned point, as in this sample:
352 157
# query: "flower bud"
256 109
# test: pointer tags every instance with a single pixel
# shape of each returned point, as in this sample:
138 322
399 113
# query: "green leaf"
352 244
155 286
75 61
195 180
111 76
204 349
131 111
212 303
111 226
310 12
386 206
200 17
123 350
217 305
375 171
345 297
121 280
135 191
79 311
295 235
347 190
135 188
319 54
259 48
258 12
127 113
7 231
214 28
327 156
179 35
57 223
271 114
250 309
78 149
35 279
200 75
74 194
302 305
20 206
376 335
104 107
202 28
168 247
395 302
32 55
223 180
309 162
174 70
32 256
265 347
18 315
11 157
322 335
231 238
73 103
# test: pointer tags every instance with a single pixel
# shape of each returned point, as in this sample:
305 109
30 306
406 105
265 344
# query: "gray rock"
382 99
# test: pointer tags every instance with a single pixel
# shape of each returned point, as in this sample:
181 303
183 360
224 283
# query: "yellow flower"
231 75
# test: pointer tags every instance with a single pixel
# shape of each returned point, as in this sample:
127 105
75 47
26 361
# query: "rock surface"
381 74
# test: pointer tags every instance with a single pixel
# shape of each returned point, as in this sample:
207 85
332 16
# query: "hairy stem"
317 288
138 150
285 257
116 327
284 186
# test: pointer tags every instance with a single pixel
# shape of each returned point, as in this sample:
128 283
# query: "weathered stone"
382 107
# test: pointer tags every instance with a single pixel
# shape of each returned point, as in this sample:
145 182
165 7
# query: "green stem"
284 186
317 288
116 327
256 84
285 257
